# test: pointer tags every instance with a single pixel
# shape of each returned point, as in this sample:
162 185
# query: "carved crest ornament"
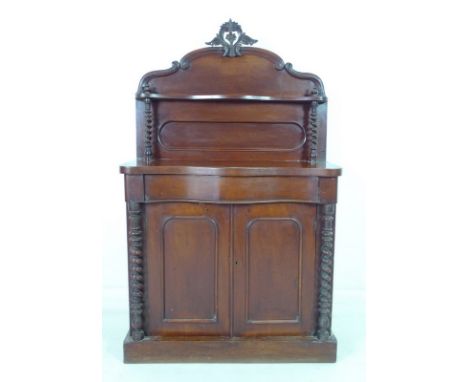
231 38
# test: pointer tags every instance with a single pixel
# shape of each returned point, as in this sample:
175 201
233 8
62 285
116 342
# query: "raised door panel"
274 269
188 269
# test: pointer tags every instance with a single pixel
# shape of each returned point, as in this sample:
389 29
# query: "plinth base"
225 349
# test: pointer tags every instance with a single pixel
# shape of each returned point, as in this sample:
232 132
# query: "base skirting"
222 349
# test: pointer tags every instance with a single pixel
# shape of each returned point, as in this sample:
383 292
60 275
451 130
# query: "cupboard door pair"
225 270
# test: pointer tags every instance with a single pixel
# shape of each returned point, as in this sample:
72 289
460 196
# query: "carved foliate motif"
231 38
327 238
136 271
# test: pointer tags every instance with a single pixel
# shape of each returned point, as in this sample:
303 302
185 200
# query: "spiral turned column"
312 133
136 270
149 123
325 296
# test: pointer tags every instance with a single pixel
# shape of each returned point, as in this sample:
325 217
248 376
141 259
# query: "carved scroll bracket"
136 270
317 88
231 38
327 238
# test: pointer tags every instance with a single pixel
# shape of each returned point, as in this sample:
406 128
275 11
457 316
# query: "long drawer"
231 189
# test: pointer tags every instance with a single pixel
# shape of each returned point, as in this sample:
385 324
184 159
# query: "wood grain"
242 350
230 190
274 261
231 211
188 259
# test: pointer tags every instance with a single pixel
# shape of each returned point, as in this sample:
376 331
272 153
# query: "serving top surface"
231 169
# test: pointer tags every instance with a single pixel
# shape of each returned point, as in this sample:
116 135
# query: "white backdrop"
395 75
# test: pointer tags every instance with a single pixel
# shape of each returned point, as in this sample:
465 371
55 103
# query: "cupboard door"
274 269
187 247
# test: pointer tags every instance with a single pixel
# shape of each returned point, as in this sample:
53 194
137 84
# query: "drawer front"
231 189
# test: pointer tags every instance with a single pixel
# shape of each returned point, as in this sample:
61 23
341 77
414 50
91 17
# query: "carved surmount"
312 133
231 38
148 124
327 237
136 271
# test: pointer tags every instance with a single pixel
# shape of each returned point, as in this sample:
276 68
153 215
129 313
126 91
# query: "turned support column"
326 251
136 269
149 125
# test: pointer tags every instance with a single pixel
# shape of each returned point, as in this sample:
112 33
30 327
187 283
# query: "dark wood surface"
274 258
229 189
231 212
235 349
188 256
207 92
232 168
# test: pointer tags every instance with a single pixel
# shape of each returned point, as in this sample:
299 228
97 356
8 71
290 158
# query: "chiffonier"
230 211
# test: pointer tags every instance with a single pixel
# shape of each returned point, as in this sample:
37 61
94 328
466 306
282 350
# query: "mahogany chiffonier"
230 211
